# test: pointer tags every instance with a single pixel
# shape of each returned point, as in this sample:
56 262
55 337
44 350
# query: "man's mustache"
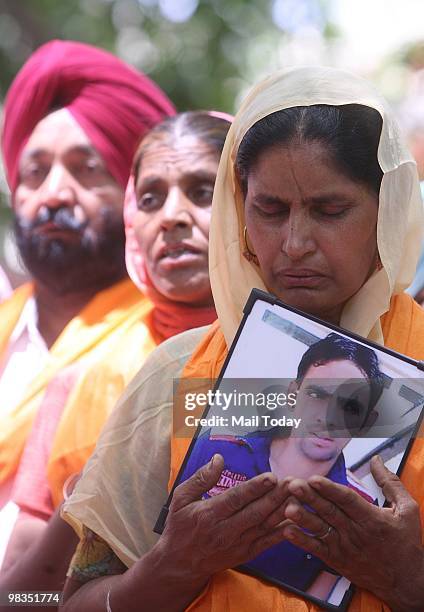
62 217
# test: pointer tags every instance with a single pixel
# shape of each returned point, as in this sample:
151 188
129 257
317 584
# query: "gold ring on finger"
326 534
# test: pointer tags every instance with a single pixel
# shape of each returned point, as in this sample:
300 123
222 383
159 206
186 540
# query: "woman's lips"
178 255
292 279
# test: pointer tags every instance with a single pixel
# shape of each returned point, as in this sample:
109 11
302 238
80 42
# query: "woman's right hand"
204 536
201 537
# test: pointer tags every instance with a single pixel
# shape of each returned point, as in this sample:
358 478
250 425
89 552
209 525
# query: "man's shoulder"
241 461
244 454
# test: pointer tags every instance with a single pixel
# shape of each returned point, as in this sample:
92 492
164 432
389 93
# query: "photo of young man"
337 386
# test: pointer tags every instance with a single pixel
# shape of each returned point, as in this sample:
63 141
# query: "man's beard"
92 262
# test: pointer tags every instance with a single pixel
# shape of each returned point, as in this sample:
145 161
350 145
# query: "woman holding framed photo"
317 201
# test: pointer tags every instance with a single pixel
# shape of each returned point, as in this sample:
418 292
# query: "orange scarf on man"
403 330
87 336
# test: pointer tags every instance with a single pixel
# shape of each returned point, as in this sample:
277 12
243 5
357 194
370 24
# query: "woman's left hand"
379 549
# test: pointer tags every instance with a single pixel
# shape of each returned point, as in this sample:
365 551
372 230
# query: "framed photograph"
299 397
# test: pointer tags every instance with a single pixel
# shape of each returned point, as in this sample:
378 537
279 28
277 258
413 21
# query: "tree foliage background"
204 53
201 52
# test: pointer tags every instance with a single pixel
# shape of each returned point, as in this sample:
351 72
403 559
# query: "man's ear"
369 422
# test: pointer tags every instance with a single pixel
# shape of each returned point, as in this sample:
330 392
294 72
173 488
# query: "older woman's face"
174 195
312 228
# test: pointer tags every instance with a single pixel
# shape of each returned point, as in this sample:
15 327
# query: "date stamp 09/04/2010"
30 598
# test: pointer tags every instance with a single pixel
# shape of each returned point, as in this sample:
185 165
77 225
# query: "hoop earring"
247 253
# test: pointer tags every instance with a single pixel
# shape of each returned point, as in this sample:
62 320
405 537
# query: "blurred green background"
207 53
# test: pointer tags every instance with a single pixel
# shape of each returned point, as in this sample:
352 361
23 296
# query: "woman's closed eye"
272 209
331 211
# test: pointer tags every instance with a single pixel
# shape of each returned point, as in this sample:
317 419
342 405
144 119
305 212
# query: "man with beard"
72 120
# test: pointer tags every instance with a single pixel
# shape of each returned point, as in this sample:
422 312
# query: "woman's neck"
332 316
171 318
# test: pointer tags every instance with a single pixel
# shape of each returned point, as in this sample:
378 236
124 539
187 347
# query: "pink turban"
113 103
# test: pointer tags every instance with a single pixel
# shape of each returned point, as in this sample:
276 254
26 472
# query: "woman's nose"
176 210
298 239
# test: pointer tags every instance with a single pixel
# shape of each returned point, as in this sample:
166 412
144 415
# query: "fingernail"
268 483
211 462
295 514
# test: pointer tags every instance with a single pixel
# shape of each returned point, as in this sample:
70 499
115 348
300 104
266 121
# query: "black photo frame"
408 435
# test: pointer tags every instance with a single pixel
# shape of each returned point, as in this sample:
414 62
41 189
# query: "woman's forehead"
189 145
304 170
185 152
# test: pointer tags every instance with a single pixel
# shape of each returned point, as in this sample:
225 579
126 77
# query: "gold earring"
247 253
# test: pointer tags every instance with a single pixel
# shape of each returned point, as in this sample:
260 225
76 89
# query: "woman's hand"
378 549
202 537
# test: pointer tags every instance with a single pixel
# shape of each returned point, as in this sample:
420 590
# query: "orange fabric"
86 336
403 330
10 311
95 395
